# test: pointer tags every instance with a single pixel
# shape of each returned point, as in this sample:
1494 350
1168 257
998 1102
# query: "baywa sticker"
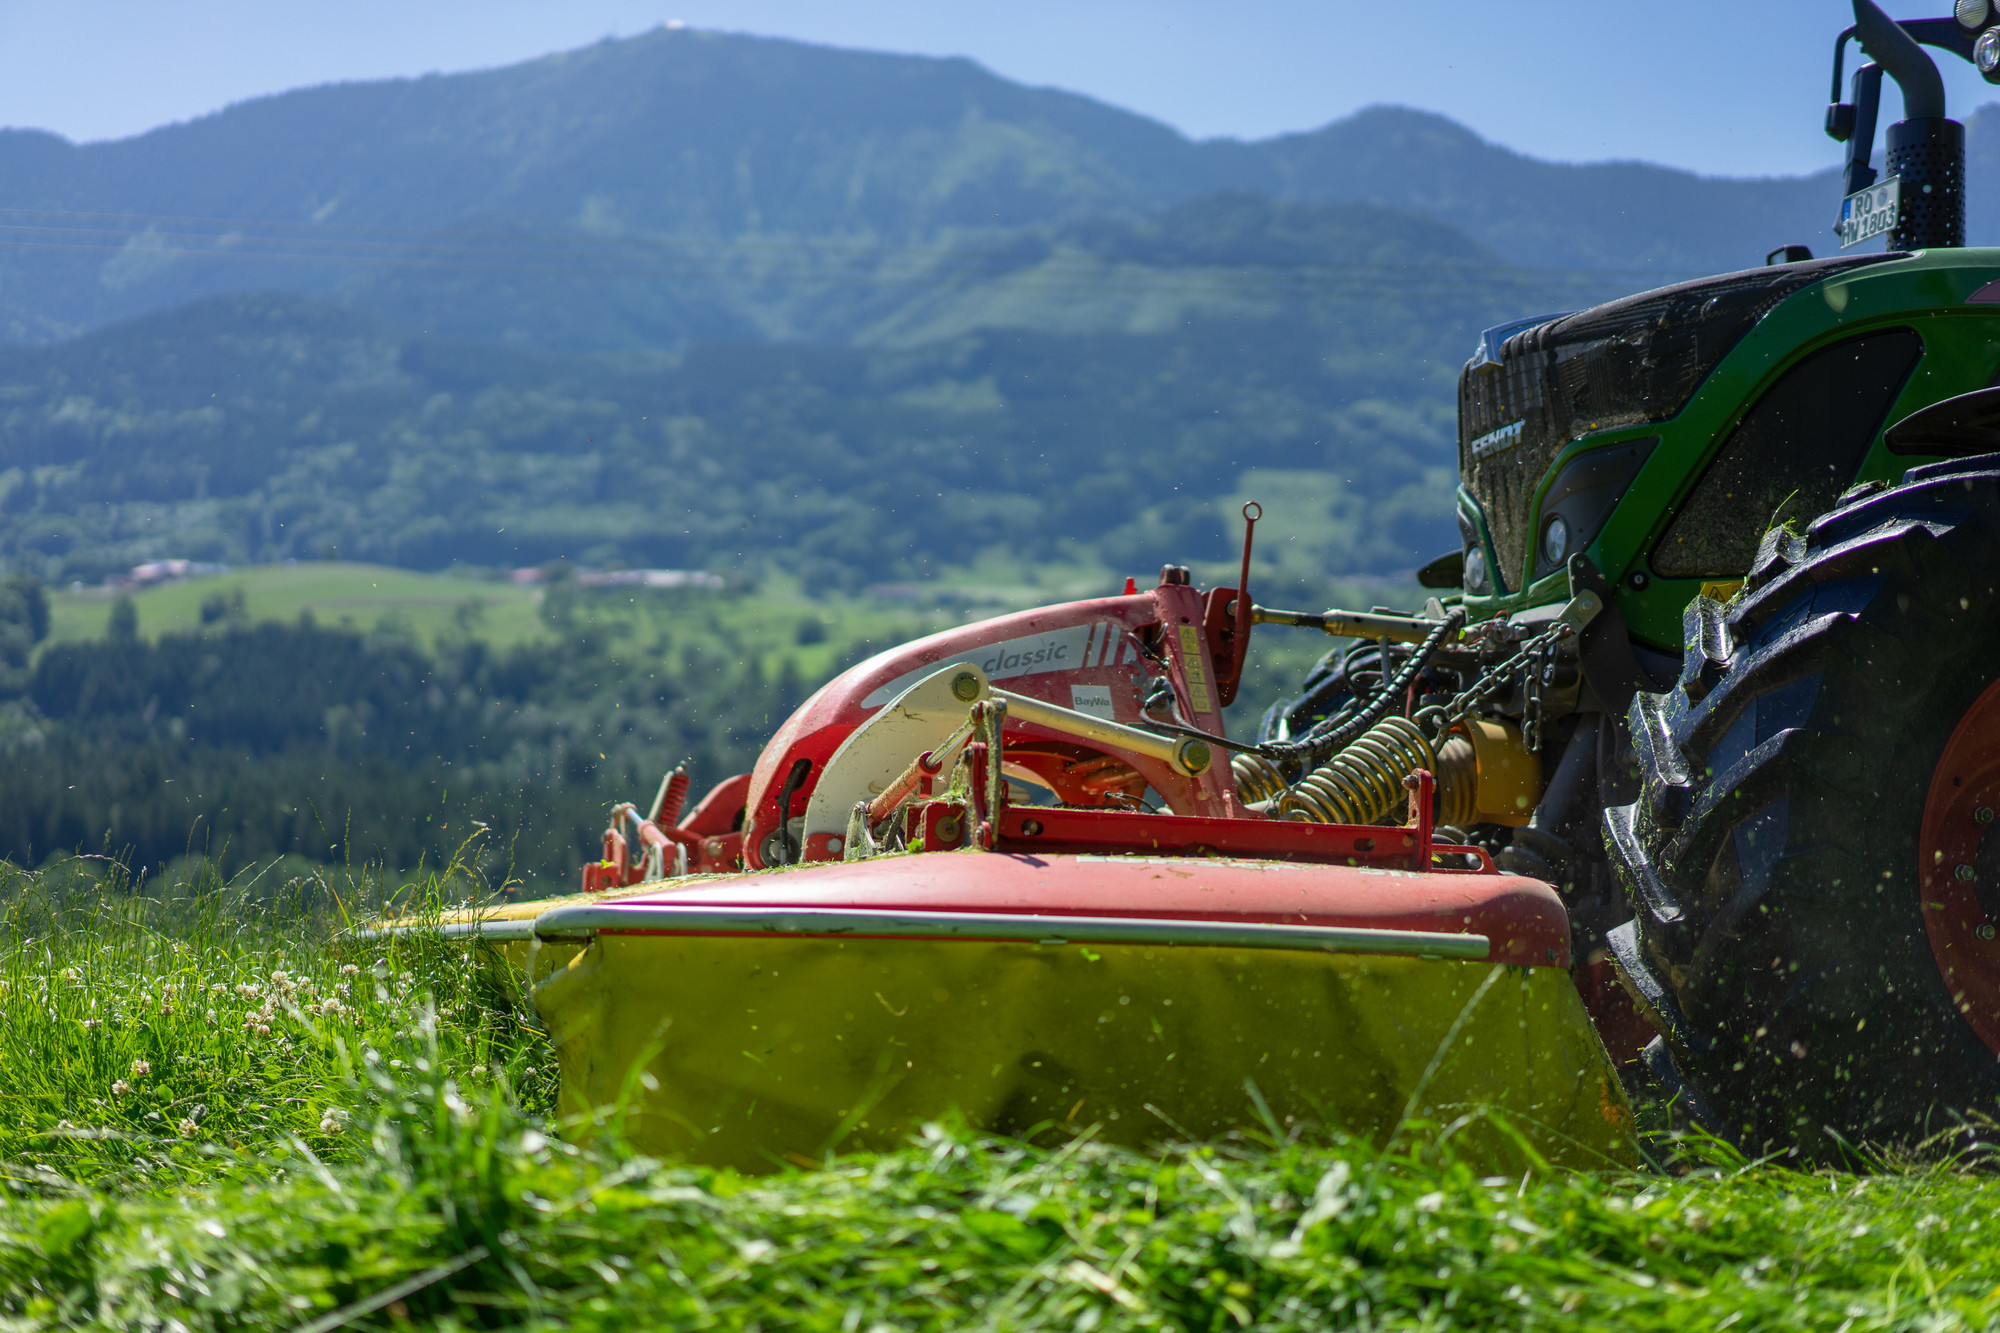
1094 700
1071 649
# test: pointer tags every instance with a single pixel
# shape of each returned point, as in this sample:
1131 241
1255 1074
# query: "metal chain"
1526 665
1531 703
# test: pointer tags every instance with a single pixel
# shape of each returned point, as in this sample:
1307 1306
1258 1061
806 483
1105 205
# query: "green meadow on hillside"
484 607
342 594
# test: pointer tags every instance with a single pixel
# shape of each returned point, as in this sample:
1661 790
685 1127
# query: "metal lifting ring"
1364 782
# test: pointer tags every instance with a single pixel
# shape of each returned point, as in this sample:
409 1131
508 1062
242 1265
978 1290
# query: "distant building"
164 571
647 578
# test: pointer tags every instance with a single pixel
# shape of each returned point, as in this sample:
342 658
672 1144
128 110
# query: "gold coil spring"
1363 782
1257 778
1457 775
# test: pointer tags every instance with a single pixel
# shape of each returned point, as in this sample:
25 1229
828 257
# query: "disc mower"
1698 734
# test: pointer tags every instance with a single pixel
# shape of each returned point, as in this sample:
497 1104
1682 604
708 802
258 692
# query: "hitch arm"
1351 624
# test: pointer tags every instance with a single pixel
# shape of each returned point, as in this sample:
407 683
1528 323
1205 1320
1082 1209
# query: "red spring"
673 796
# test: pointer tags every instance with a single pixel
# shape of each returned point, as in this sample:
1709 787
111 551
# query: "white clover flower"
330 1126
141 1068
329 1005
120 1087
217 988
263 1029
209 1016
349 970
187 1128
281 976
92 1024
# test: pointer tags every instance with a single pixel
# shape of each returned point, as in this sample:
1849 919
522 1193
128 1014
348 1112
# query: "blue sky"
1732 87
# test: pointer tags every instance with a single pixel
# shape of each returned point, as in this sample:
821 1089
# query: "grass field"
218 1112
334 592
777 616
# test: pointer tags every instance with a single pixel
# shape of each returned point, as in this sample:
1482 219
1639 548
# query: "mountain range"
687 185
739 302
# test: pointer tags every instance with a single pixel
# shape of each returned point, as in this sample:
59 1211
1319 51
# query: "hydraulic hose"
1336 733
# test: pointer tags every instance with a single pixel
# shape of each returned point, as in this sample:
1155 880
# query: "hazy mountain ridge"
769 177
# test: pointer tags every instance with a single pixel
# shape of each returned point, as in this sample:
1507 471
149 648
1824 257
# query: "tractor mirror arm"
1943 34
1867 100
1897 52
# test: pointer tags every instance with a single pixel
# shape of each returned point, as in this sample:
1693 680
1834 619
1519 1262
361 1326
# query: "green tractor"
1772 760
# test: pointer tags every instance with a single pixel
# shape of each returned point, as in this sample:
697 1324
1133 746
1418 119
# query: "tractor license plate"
1869 213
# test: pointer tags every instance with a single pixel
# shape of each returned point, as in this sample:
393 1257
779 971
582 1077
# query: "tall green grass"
171 1036
389 1159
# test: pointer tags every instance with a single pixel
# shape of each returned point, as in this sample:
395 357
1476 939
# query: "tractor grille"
1631 361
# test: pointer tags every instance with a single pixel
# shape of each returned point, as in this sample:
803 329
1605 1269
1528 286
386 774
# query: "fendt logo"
1498 441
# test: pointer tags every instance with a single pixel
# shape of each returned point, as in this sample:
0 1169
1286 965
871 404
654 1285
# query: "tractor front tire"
1807 864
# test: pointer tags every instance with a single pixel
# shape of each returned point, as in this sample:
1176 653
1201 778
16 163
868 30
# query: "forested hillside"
1103 420
374 745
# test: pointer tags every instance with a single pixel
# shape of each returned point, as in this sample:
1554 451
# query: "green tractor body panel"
1678 425
1768 756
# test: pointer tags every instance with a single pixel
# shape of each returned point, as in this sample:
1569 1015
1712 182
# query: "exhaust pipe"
1925 150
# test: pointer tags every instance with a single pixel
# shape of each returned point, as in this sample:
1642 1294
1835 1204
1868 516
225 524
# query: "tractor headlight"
1579 501
1475 570
1972 13
1555 540
1986 54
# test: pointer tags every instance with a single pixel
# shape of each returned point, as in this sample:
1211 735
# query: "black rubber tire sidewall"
1825 1017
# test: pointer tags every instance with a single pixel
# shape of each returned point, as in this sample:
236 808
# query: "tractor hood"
1626 363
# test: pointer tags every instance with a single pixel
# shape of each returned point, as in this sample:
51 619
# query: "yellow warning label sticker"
1191 667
